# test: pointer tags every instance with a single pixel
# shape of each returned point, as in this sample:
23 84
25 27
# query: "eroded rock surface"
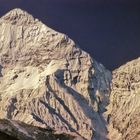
124 108
47 81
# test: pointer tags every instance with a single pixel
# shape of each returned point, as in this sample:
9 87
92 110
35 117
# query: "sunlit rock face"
47 81
124 108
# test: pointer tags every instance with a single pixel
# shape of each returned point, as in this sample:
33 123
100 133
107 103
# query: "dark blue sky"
108 29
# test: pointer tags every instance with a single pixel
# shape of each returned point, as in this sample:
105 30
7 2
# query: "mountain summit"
18 16
48 82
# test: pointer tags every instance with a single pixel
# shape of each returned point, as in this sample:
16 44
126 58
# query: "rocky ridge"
47 81
123 110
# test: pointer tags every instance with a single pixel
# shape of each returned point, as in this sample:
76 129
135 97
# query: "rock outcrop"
124 108
13 130
47 81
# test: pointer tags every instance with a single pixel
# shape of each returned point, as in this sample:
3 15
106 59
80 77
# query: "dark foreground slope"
13 130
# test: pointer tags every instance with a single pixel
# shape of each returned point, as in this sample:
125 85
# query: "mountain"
51 89
47 81
124 108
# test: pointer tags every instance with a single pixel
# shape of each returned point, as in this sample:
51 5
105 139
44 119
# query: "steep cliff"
124 108
47 81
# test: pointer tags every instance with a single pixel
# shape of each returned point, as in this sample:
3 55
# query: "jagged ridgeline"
47 81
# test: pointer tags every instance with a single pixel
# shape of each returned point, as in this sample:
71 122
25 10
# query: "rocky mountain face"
46 81
124 108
